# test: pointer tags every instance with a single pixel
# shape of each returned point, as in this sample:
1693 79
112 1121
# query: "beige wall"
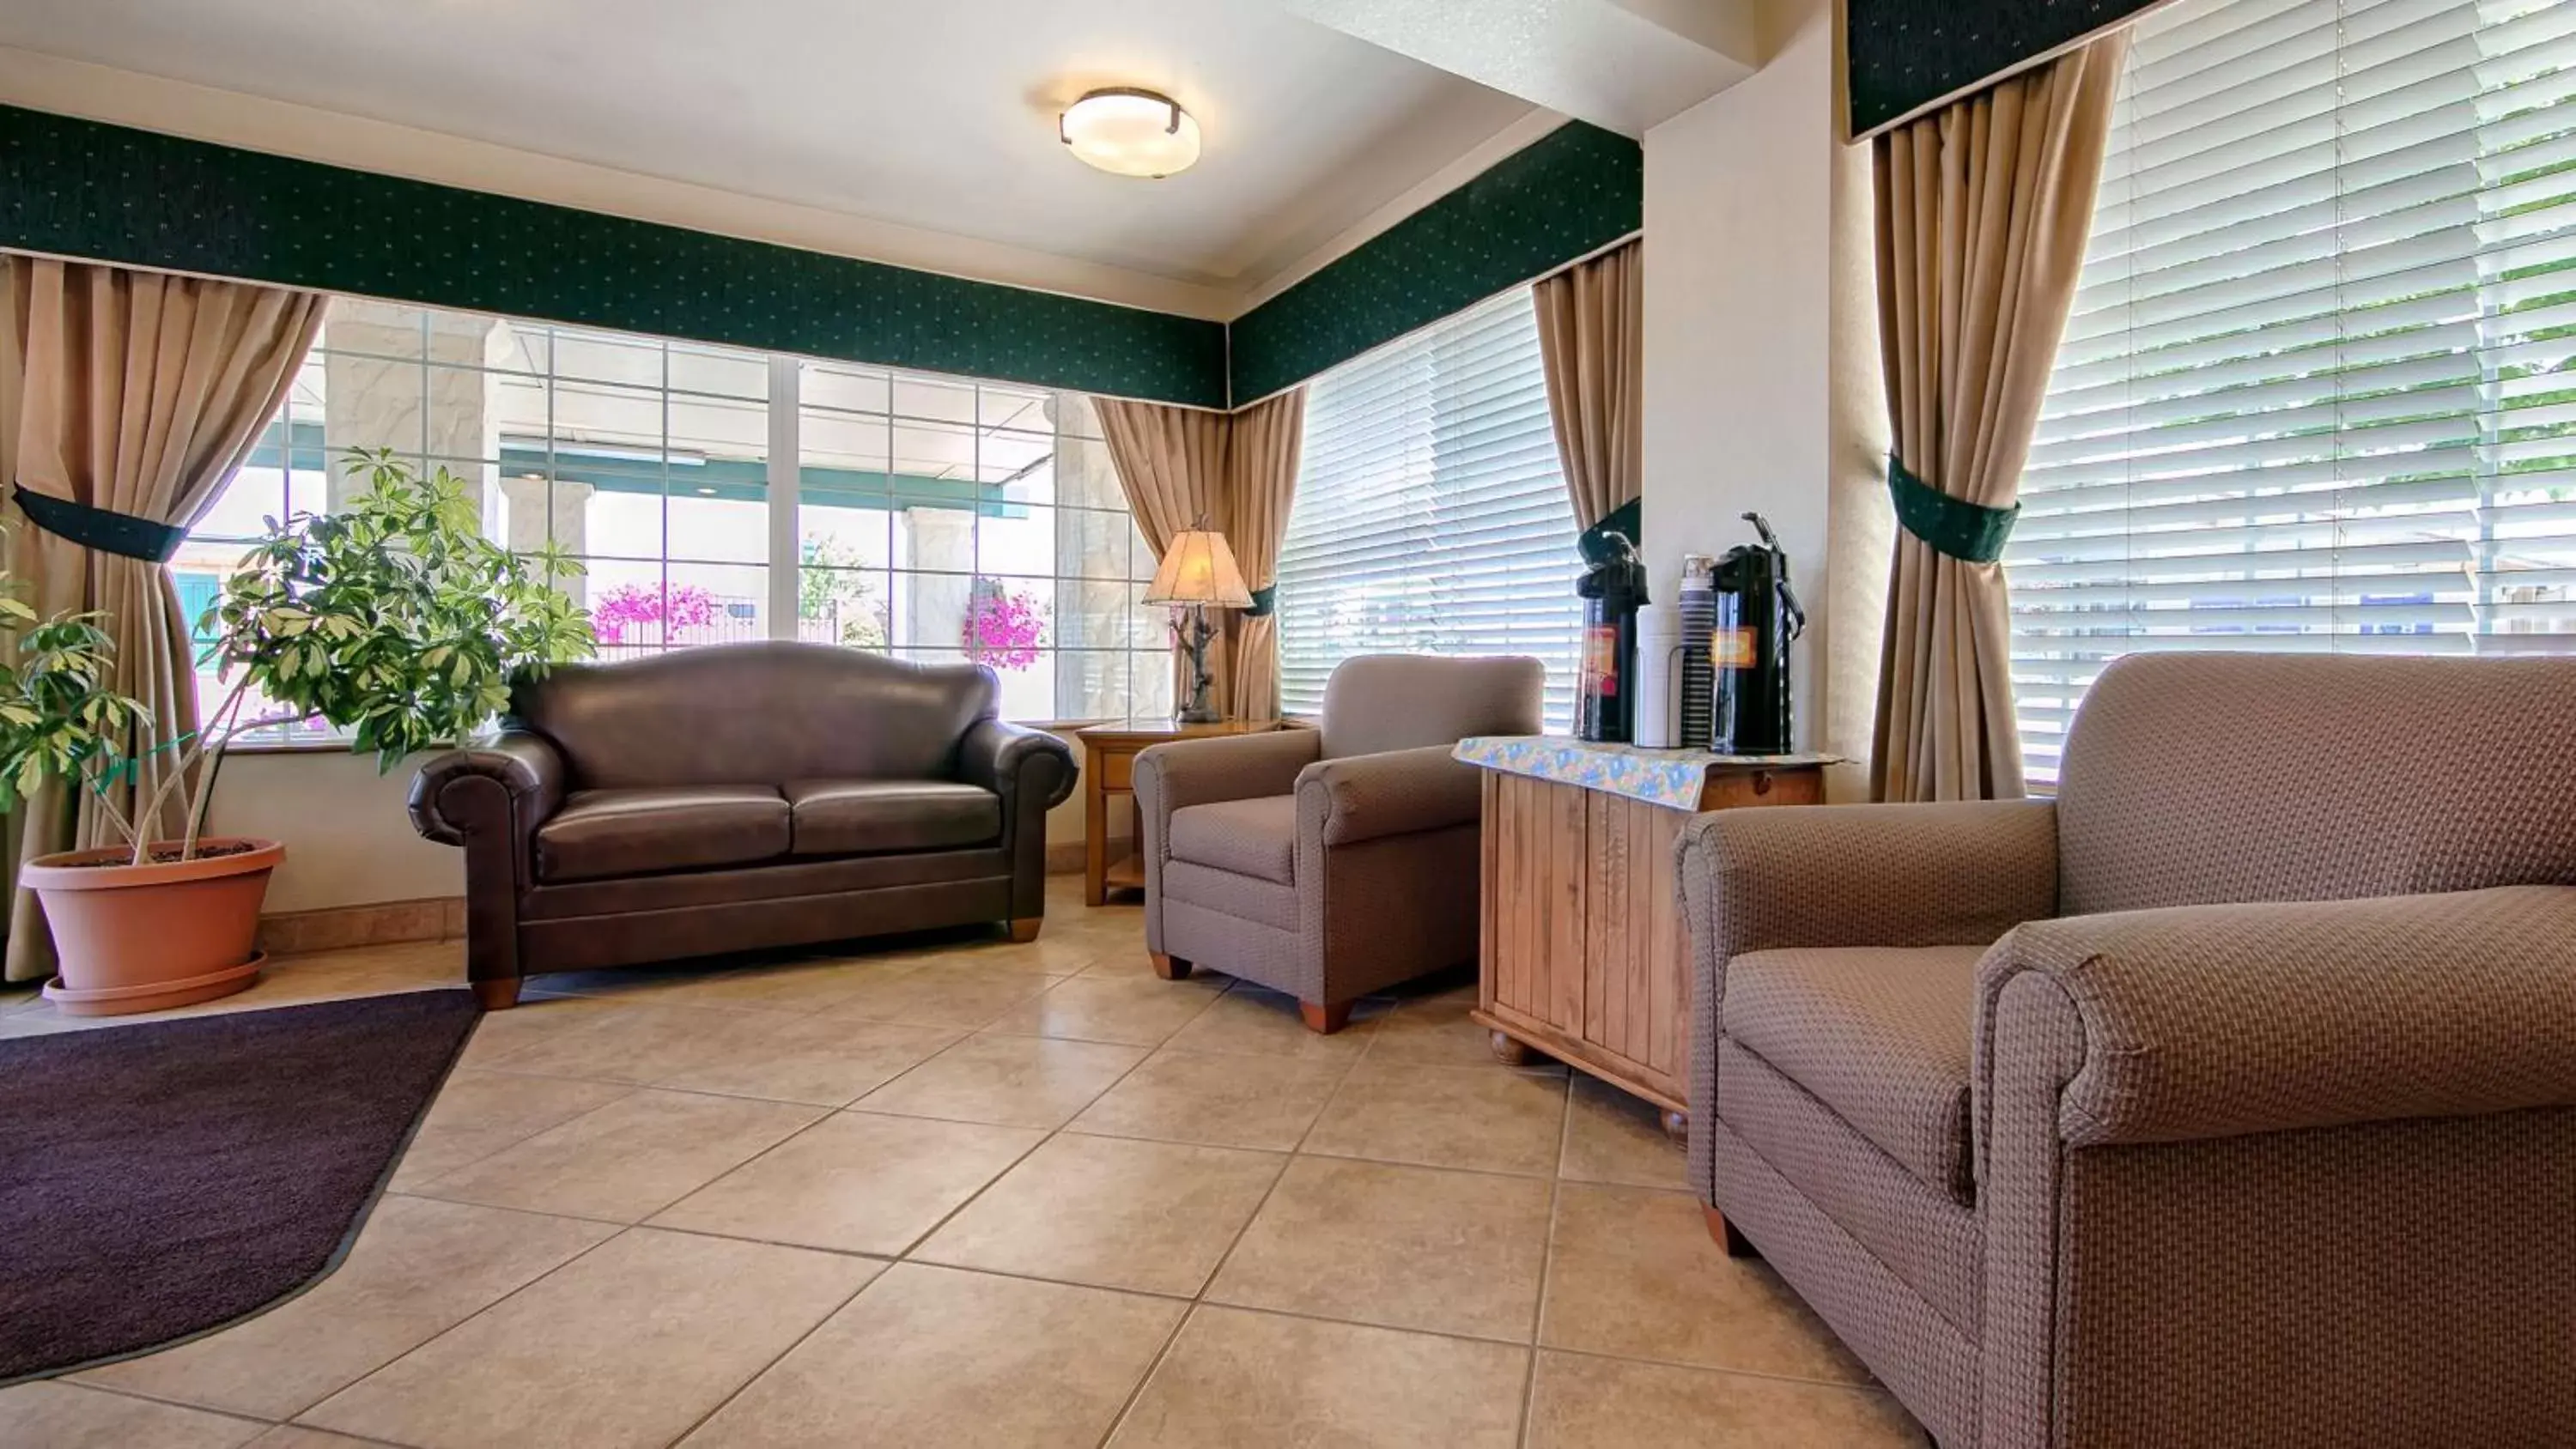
1761 365
349 839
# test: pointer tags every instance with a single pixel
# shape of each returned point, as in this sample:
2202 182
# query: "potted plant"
395 619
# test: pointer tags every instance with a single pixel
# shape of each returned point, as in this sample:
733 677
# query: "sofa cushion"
603 833
882 817
1880 1035
1255 837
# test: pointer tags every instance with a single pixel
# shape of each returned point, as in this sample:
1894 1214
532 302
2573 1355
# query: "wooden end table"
1109 763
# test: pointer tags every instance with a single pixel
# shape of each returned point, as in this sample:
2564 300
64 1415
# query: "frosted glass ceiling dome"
1131 132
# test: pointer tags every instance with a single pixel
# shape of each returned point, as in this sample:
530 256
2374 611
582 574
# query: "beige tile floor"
960 1192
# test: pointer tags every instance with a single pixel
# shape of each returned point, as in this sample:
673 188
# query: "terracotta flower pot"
145 937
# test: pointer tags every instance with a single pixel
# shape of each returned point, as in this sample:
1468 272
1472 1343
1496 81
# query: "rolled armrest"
1008 759
1183 773
1397 792
1866 875
2219 1021
526 765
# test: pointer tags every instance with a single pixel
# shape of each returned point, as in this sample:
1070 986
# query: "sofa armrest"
1010 759
2201 1022
1033 772
527 768
1398 792
1957 874
1183 773
490 800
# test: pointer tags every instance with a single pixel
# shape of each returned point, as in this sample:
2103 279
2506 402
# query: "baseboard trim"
380 923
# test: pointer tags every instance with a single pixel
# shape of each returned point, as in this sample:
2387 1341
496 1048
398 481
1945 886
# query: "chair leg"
1025 929
497 993
1170 968
1324 1020
1723 1232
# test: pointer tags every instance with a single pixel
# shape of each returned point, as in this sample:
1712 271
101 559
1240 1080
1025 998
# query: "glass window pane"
720 371
933 399
605 357
847 606
1085 475
844 388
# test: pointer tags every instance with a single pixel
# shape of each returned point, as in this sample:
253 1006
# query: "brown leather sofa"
2227 1099
739 797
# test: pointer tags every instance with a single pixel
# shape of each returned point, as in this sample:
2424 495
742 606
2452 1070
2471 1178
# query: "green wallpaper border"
116 193
1573 191
90 189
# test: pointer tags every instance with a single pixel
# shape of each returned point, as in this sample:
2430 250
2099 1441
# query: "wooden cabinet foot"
1511 1051
1677 1125
1170 968
1723 1233
1324 1020
497 993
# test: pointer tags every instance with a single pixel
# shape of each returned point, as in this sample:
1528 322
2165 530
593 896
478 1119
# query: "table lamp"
1199 570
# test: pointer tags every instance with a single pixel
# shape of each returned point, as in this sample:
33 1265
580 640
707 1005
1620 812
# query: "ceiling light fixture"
1130 132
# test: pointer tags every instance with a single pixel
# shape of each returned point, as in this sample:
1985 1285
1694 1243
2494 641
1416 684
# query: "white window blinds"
2316 392
1431 515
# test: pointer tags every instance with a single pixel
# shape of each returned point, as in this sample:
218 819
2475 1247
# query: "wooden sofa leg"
1169 967
497 993
1025 929
1324 1020
1724 1234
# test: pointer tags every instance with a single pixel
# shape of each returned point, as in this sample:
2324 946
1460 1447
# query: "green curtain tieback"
109 532
1628 520
1968 532
1264 601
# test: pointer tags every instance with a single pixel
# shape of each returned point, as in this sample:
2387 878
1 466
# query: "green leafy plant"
394 618
59 716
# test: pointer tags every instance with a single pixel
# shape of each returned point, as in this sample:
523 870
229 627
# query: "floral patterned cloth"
1670 778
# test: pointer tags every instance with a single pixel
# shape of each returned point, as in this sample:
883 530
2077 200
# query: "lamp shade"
1198 568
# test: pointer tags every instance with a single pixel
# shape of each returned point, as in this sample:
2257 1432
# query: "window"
935 518
2317 390
957 520
1431 514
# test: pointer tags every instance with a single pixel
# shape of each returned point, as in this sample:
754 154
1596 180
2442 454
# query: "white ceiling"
928 114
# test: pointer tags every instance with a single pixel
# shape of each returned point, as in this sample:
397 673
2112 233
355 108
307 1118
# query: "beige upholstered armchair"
2227 1099
1329 863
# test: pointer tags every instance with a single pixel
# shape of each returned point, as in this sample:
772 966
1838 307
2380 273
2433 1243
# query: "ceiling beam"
1625 65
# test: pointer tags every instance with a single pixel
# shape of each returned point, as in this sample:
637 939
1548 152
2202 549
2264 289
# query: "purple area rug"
158 1181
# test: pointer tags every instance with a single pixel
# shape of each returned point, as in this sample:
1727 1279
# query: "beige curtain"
1592 338
1171 462
1983 209
1263 449
1237 473
137 393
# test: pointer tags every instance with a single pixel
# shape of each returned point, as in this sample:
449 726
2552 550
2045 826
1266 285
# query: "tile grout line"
1546 1272
762 1372
119 1391
298 1416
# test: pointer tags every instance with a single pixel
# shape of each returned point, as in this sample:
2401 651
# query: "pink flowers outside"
1003 628
640 605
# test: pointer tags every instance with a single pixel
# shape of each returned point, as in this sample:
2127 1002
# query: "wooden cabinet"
1583 956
